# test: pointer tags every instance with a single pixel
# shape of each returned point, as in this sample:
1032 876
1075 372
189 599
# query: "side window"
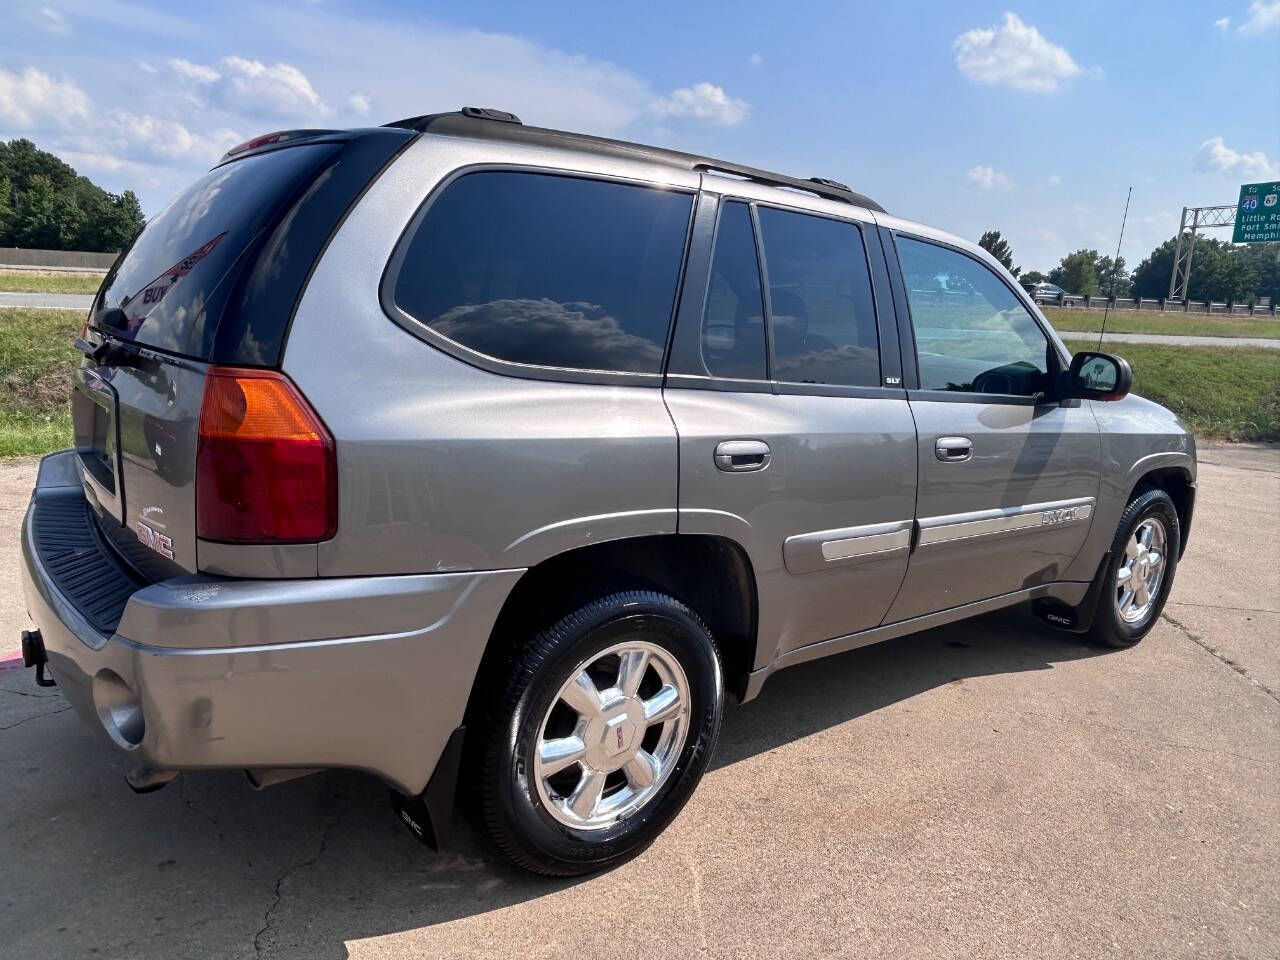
733 319
824 321
549 270
972 333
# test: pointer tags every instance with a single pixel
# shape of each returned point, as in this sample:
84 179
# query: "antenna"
1111 289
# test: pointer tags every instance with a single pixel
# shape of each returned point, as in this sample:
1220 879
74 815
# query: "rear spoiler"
278 139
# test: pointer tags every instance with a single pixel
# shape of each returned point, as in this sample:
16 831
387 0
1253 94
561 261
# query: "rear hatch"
213 279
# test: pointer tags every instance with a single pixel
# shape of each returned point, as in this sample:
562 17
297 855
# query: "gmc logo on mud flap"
1058 516
156 541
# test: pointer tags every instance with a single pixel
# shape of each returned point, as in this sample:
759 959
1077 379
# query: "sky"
1030 118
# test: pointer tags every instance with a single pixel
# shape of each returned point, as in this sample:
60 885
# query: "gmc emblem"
156 541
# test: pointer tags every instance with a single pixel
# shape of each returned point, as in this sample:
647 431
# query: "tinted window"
824 322
167 290
733 321
549 270
972 333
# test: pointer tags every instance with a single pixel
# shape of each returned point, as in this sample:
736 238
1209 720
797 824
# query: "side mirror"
1098 376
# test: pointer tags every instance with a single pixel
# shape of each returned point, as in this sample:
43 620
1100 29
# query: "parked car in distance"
492 460
1046 293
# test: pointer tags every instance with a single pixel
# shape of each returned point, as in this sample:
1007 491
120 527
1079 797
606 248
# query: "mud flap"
1077 619
430 816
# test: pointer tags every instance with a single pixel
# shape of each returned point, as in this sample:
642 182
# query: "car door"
790 443
1008 474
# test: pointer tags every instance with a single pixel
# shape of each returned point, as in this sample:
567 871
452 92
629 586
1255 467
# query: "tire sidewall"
1153 503
656 619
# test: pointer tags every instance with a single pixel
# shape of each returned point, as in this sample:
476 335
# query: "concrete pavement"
989 789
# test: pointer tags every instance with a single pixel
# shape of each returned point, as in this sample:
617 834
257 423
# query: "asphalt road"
50 301
990 789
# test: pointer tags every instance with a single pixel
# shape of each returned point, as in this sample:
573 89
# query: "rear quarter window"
547 270
169 289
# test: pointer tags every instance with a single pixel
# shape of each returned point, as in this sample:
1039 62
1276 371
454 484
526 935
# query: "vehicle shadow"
208 867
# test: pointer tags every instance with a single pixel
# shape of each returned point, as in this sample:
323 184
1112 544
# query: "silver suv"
491 460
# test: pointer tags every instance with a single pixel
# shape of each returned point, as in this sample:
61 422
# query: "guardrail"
1162 304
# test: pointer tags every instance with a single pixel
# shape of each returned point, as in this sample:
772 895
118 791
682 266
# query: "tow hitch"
33 655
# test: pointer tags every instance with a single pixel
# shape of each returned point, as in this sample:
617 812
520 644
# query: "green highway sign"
1258 214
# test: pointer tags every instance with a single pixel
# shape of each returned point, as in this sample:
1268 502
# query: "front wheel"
600 730
1144 557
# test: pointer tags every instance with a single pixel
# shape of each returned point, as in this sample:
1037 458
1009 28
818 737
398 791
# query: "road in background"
48 301
991 788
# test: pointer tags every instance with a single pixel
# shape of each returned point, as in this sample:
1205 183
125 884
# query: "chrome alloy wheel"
1141 571
612 735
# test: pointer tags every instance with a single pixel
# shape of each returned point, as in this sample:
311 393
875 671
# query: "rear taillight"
266 469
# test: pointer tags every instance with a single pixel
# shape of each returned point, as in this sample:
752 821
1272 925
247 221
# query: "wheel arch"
712 575
1177 481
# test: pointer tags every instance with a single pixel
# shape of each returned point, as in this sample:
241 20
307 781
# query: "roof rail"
501 125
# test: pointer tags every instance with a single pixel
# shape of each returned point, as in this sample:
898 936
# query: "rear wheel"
1144 557
601 727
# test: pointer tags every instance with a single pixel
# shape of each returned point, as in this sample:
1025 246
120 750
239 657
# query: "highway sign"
1258 214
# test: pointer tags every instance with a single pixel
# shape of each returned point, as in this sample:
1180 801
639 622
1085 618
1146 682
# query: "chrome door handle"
741 456
953 449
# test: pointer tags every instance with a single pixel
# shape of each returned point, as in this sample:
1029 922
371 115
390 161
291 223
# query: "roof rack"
501 125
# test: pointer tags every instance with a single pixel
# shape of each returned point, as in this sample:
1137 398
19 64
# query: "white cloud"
147 136
989 178
1053 180
53 20
195 72
703 101
1263 15
1014 54
33 99
1214 156
250 87
1222 23
282 90
755 59
360 103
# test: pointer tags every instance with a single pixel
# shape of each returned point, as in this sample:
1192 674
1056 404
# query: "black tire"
1109 628
512 812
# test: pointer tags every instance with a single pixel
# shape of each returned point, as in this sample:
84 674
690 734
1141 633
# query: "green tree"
1034 276
1078 273
998 247
6 209
1113 277
52 206
1219 271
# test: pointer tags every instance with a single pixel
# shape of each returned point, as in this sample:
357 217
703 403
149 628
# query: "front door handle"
741 456
953 449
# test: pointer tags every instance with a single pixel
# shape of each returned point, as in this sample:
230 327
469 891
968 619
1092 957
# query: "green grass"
35 281
1223 393
36 362
1079 320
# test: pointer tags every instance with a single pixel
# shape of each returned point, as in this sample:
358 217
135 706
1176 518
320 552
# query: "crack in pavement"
191 804
1219 655
29 693
278 894
39 716
1221 606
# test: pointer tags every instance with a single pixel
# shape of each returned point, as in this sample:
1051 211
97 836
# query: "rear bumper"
370 673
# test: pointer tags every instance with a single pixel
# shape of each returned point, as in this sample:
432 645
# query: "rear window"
548 270
168 291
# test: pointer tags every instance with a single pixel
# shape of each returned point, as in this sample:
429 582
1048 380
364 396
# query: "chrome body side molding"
986 523
811 552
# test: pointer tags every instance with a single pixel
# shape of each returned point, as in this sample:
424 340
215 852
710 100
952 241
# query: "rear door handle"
742 456
953 449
